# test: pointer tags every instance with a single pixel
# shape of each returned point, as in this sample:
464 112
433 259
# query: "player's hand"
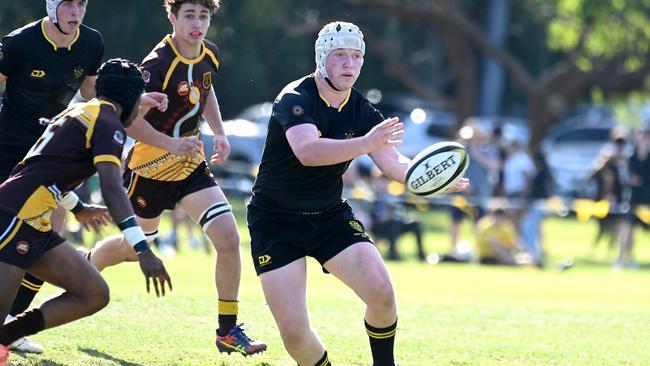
93 217
154 269
221 149
460 186
186 146
153 100
385 134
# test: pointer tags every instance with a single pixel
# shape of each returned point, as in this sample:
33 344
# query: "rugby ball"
436 168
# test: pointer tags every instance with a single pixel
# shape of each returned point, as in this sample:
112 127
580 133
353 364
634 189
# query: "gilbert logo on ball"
436 168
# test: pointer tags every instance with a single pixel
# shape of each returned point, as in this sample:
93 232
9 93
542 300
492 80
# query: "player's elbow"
306 156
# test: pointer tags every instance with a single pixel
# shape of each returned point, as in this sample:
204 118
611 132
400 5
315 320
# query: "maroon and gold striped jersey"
61 159
187 83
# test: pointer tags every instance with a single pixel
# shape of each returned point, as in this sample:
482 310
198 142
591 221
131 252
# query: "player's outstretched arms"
384 134
110 182
462 185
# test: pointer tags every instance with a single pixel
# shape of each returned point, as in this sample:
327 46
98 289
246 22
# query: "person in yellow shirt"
497 240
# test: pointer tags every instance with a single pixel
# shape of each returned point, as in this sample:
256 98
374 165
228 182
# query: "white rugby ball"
436 168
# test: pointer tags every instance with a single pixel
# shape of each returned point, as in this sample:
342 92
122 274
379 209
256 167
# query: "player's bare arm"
212 116
110 182
87 88
93 217
313 150
393 164
142 131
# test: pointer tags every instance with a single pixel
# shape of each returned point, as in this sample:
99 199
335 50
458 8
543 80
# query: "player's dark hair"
120 81
173 6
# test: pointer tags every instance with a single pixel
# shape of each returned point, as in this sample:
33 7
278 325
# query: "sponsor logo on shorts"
264 260
355 225
349 135
146 76
141 201
37 74
297 110
22 247
183 88
207 80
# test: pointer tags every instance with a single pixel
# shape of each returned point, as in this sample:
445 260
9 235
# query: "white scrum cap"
52 6
337 35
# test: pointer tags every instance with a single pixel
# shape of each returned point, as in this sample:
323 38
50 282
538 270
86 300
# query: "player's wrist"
71 202
133 234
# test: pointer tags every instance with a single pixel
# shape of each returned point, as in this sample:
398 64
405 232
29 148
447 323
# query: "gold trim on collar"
347 98
50 41
184 59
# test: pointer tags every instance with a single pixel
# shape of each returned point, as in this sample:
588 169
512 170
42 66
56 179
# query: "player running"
183 66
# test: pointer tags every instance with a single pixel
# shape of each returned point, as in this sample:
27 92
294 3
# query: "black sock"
26 293
382 342
226 323
324 361
25 324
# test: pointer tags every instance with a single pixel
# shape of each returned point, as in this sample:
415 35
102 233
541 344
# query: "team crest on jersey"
297 110
22 247
78 72
146 76
118 136
141 201
183 88
356 226
349 135
207 80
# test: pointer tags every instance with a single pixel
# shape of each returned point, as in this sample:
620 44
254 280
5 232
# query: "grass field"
449 314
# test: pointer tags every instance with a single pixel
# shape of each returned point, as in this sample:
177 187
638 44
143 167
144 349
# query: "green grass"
449 314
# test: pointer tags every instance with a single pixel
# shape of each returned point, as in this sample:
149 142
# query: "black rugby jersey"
187 83
41 78
283 183
61 159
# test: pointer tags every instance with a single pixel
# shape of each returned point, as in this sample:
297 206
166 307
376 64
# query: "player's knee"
294 334
97 297
225 238
382 296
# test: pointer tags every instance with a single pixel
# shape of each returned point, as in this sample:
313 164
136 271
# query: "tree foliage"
557 51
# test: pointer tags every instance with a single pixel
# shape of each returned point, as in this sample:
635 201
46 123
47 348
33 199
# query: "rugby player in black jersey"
318 125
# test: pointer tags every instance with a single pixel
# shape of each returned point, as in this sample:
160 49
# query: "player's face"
134 113
191 24
71 14
343 67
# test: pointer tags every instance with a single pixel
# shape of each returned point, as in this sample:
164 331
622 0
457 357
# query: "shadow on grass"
31 360
225 363
97 354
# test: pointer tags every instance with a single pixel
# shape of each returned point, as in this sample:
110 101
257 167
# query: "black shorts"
150 198
279 239
20 244
9 157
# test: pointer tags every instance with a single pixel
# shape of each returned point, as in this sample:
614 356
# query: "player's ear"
172 18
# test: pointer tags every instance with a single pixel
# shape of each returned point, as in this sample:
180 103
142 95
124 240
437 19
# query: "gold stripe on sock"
228 307
325 362
30 285
382 335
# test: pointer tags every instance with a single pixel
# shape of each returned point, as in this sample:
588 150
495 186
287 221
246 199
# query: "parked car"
572 147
